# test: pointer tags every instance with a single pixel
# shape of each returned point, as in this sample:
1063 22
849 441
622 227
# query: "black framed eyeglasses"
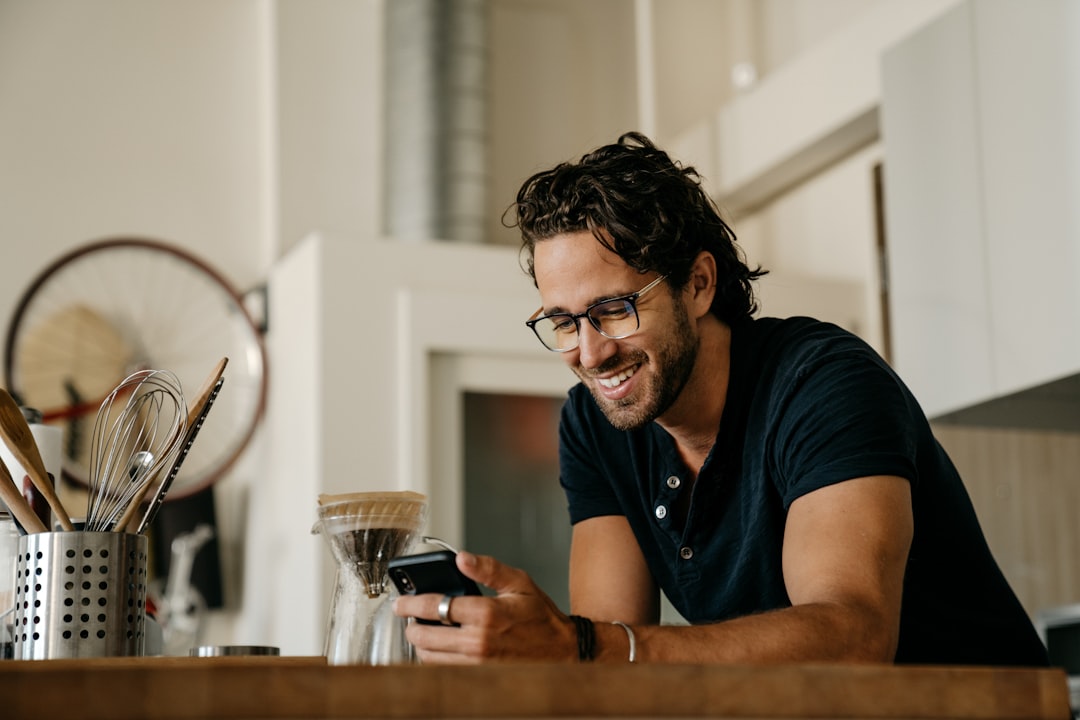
615 318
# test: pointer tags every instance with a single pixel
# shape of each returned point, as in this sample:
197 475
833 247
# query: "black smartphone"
430 572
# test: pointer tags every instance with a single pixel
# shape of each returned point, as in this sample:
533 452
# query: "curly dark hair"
655 211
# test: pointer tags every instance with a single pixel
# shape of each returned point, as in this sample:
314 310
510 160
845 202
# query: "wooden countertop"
287 687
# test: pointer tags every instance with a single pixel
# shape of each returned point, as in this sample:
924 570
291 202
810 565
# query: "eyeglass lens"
614 319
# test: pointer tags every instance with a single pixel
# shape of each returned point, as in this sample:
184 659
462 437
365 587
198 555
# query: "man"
774 478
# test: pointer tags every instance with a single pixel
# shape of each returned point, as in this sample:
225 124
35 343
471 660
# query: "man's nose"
593 348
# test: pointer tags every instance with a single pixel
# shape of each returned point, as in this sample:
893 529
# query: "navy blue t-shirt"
808 405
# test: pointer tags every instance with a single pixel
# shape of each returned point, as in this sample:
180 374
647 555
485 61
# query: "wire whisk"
133 439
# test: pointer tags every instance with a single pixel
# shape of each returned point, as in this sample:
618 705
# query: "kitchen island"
302 687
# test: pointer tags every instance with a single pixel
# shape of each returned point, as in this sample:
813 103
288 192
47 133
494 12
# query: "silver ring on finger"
444 610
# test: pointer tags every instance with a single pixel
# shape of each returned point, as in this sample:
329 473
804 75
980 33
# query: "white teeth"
616 380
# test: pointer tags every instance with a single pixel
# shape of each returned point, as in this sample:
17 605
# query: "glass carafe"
364 531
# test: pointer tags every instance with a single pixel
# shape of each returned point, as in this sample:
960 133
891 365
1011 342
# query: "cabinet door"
1028 86
938 287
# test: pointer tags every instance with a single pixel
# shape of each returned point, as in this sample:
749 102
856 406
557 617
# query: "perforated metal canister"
80 594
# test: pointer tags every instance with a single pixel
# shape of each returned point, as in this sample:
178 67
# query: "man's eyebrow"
559 310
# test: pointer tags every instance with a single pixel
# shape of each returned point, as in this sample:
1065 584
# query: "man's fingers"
426 607
438 643
502 578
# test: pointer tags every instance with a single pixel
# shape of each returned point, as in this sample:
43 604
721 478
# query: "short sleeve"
589 490
843 414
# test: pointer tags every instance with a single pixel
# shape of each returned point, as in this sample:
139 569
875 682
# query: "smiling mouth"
616 380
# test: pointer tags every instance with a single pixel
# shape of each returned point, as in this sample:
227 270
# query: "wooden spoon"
20 441
16 503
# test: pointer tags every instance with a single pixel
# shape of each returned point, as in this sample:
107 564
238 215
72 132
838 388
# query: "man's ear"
701 288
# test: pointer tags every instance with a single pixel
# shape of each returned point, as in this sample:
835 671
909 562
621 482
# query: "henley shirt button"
686 553
673 482
661 512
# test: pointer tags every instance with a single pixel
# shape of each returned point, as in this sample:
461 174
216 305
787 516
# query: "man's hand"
519 623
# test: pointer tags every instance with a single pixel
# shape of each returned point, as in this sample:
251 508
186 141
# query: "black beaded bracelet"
586 638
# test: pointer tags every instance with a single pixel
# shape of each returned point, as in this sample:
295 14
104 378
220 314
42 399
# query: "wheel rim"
119 304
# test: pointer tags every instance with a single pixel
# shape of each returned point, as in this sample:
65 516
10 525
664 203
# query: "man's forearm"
806 633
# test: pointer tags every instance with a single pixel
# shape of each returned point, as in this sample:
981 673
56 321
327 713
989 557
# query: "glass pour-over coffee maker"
364 531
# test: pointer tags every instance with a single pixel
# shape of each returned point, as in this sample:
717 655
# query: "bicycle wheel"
117 305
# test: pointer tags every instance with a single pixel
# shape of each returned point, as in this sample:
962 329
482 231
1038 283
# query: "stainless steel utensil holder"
80 594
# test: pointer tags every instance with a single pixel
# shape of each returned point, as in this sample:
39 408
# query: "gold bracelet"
630 637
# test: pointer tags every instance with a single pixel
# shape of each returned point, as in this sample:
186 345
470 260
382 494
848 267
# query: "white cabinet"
981 128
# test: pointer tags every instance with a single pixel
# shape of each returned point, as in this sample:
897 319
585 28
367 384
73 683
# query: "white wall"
562 82
328 67
122 116
789 28
825 229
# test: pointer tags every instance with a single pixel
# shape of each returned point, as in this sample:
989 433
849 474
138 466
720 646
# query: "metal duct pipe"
436 119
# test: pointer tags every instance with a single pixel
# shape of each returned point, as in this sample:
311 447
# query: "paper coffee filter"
362 510
382 496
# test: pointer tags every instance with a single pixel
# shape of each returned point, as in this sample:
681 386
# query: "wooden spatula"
20 441
16 503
